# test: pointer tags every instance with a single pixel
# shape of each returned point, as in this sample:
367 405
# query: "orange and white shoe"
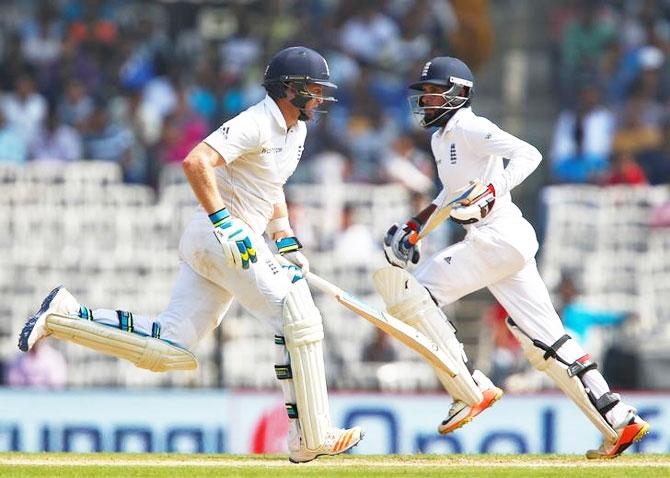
632 430
461 413
338 440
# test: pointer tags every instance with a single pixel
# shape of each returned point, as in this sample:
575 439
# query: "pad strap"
552 351
291 410
283 372
125 320
85 313
581 366
607 402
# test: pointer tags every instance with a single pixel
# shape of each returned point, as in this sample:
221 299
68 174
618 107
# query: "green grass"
276 466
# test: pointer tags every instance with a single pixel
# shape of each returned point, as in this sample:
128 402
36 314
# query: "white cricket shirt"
470 147
260 155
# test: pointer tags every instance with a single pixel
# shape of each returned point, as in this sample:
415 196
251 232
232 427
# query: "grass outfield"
186 466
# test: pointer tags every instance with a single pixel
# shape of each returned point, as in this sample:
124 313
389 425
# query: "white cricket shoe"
338 440
632 429
460 413
58 301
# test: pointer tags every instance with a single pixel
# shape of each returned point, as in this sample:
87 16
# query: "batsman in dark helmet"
290 74
237 173
479 164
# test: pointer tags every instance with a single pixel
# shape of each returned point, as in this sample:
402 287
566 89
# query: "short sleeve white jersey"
470 147
260 155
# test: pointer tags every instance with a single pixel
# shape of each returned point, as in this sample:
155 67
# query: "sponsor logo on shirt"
452 154
278 149
300 148
224 131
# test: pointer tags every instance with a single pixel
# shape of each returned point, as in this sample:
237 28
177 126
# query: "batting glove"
289 247
398 248
477 208
231 234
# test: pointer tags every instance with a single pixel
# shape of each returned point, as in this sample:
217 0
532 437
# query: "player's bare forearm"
279 226
199 170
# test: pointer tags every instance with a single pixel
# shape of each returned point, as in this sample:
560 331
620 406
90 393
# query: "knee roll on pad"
568 376
409 301
303 335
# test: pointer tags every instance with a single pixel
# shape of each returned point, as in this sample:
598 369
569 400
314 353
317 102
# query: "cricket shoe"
337 440
59 301
460 413
631 430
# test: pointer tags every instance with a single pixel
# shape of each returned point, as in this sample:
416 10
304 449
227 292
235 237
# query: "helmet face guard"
456 96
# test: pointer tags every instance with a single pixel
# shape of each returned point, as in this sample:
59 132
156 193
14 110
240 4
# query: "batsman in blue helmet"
498 252
237 173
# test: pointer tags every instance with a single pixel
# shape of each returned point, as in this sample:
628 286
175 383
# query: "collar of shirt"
453 121
275 112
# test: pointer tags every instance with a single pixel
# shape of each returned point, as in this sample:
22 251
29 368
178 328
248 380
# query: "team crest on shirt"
452 154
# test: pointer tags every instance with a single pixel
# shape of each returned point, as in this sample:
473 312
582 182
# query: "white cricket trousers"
206 286
499 256
487 258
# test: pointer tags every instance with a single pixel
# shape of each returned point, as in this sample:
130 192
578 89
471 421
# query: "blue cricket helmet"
445 71
297 67
298 63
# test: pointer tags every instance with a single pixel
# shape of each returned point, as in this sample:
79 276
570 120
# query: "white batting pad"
303 332
145 352
558 372
410 302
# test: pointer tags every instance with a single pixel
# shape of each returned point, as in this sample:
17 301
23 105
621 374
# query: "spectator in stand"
25 108
354 244
584 41
182 130
76 105
656 161
13 146
42 367
581 320
634 135
110 141
582 140
56 141
472 39
369 33
506 356
379 349
405 164
14 63
624 170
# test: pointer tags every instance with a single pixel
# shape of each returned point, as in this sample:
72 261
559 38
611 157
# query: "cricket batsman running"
237 174
498 252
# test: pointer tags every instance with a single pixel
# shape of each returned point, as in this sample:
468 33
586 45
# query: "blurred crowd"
140 83
613 78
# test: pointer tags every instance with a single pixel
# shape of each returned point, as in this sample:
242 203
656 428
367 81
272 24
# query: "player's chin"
310 114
